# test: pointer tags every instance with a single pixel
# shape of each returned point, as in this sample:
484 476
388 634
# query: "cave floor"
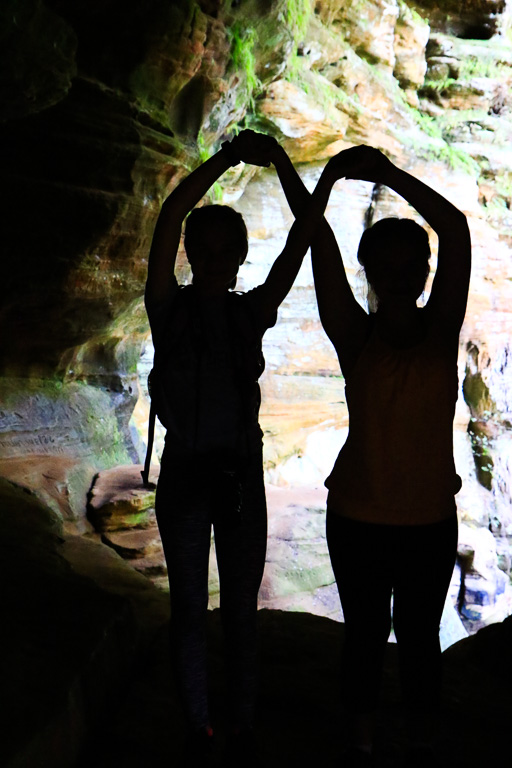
86 669
299 720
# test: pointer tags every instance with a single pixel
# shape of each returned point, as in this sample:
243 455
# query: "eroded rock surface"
105 110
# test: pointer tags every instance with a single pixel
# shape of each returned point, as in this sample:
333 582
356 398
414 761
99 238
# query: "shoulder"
354 341
440 331
254 305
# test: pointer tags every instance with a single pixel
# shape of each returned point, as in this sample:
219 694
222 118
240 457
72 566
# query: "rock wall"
105 109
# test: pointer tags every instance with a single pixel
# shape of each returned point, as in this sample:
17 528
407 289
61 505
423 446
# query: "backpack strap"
158 363
149 448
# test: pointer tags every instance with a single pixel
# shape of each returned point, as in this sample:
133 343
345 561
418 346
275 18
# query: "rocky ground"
300 722
298 574
300 717
86 673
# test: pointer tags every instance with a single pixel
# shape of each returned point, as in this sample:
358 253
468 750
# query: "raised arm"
161 280
337 305
302 233
449 294
341 315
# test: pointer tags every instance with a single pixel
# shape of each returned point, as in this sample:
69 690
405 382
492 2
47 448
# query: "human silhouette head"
394 254
216 239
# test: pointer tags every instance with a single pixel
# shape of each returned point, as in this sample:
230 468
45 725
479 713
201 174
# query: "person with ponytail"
391 513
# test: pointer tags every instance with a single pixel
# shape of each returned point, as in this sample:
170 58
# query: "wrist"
278 154
389 173
230 153
329 175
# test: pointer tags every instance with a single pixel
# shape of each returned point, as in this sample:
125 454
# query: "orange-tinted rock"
119 500
411 37
110 119
369 29
134 543
59 482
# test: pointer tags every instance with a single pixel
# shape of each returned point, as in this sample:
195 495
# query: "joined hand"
255 148
362 162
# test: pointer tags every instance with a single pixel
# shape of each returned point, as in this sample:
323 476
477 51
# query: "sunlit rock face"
101 111
105 110
480 19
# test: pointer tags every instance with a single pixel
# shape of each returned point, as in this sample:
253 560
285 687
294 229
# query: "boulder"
411 38
299 716
119 500
133 544
74 618
484 589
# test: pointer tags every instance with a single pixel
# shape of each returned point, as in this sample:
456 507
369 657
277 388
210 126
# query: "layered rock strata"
104 110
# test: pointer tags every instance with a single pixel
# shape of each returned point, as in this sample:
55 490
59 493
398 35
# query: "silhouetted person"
208 360
391 513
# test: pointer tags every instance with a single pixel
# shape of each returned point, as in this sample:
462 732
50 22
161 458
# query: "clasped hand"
255 148
362 162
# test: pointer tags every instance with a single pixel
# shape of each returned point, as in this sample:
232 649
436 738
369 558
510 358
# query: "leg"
183 520
358 556
420 594
240 554
419 598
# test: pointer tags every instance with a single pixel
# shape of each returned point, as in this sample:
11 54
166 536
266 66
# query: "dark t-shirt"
209 358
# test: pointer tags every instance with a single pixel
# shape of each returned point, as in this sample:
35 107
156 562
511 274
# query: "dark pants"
185 514
371 563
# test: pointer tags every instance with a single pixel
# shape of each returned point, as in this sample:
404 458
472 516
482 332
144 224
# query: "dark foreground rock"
87 679
74 619
300 719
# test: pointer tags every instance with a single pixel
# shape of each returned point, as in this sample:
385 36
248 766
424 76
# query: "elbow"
460 221
456 229
465 233
463 220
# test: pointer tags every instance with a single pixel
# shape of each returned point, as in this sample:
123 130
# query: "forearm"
298 198
166 237
194 187
287 264
311 213
438 212
296 193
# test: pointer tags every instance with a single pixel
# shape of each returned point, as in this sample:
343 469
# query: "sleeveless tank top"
397 464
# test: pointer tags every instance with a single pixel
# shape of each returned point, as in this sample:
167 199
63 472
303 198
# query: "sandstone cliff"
105 109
